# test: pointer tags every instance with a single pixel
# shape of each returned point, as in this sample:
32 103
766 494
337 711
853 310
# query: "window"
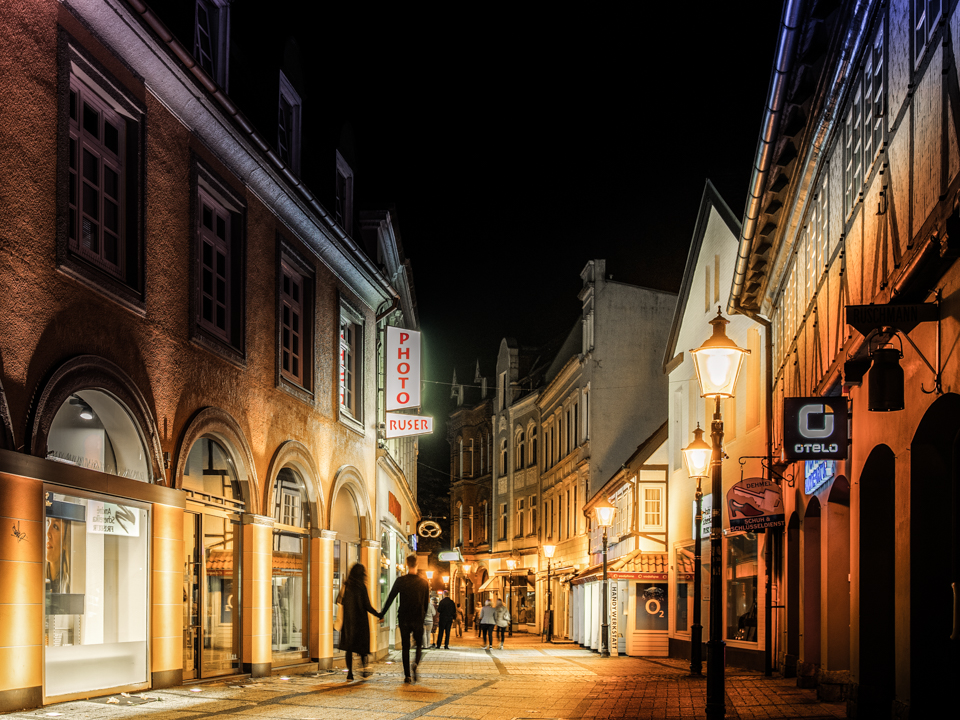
470 527
101 194
503 521
926 14
560 516
651 510
548 516
351 338
459 457
520 508
472 455
533 446
288 125
503 457
343 199
863 125
502 390
296 341
533 517
520 456
219 276
485 509
459 524
211 39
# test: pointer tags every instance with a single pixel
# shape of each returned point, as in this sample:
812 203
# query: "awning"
493 584
636 565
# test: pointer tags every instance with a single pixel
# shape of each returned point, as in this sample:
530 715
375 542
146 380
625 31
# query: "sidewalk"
527 680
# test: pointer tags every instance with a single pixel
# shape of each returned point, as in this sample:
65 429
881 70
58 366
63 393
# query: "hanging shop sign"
867 318
755 504
817 473
450 555
399 425
402 368
815 428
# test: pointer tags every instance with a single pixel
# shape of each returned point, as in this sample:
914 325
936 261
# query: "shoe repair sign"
754 504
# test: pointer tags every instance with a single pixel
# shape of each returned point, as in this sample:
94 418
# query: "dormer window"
211 38
343 204
288 125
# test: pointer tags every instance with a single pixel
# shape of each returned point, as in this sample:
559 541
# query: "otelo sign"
815 428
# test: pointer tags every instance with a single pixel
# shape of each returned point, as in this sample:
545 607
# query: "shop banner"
754 504
403 368
109 519
400 425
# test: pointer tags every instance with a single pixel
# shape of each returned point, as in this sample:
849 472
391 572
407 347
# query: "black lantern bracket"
889 320
765 466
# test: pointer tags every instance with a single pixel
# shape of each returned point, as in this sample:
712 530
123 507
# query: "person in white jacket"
428 623
487 621
501 617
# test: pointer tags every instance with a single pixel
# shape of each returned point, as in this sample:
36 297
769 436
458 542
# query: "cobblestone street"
528 679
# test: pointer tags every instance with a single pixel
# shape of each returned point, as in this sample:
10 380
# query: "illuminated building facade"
188 342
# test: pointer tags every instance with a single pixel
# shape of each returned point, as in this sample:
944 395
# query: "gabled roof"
710 200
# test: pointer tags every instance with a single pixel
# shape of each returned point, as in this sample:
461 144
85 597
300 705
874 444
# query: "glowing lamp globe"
718 362
604 512
549 550
697 455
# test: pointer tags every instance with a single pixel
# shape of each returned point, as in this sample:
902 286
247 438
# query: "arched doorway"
291 511
810 592
877 585
934 490
835 540
212 560
347 520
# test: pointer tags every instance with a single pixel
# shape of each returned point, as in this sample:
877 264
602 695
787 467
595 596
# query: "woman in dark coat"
355 632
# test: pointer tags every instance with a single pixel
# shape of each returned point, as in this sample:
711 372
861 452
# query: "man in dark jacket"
447 611
414 596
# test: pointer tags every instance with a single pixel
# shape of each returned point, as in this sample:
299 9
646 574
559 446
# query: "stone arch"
219 424
934 563
348 479
875 597
90 372
296 455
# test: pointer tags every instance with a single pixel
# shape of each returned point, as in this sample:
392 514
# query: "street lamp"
604 513
697 456
717 363
549 550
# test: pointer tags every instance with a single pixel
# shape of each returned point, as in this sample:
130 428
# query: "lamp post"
697 456
717 363
604 513
549 550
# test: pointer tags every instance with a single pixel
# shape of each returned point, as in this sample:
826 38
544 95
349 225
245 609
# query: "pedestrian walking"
476 618
487 621
446 614
355 632
428 622
414 592
459 621
501 618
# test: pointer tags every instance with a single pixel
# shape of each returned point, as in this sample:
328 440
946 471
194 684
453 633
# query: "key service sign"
754 504
815 428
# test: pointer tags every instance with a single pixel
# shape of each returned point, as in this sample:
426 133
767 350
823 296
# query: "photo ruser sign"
403 368
815 428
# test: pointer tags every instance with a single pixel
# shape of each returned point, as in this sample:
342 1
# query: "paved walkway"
528 680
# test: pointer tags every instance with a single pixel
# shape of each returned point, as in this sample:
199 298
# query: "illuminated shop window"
742 587
93 430
95 593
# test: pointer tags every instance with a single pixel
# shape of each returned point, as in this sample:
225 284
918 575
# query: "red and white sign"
403 369
399 425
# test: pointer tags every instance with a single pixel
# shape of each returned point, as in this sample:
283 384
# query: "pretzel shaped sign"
429 529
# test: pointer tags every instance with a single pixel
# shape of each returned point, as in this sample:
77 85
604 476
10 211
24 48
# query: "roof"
710 200
636 565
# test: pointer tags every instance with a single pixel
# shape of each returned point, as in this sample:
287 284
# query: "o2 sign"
402 368
815 428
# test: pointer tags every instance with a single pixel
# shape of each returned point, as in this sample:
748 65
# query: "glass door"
191 596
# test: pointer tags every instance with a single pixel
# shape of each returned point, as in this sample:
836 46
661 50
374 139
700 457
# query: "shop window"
652 607
94 431
288 589
96 593
101 240
742 587
210 471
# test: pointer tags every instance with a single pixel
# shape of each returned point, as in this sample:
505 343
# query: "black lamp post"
717 363
549 550
604 512
697 456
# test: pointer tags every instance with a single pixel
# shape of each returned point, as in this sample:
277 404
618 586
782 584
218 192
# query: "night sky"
518 144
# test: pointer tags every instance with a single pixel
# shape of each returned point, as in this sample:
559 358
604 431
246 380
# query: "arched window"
503 457
459 523
460 457
519 456
533 446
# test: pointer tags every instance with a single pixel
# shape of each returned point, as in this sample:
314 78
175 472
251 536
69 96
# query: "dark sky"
516 144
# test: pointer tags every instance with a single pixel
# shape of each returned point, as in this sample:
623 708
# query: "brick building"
188 363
